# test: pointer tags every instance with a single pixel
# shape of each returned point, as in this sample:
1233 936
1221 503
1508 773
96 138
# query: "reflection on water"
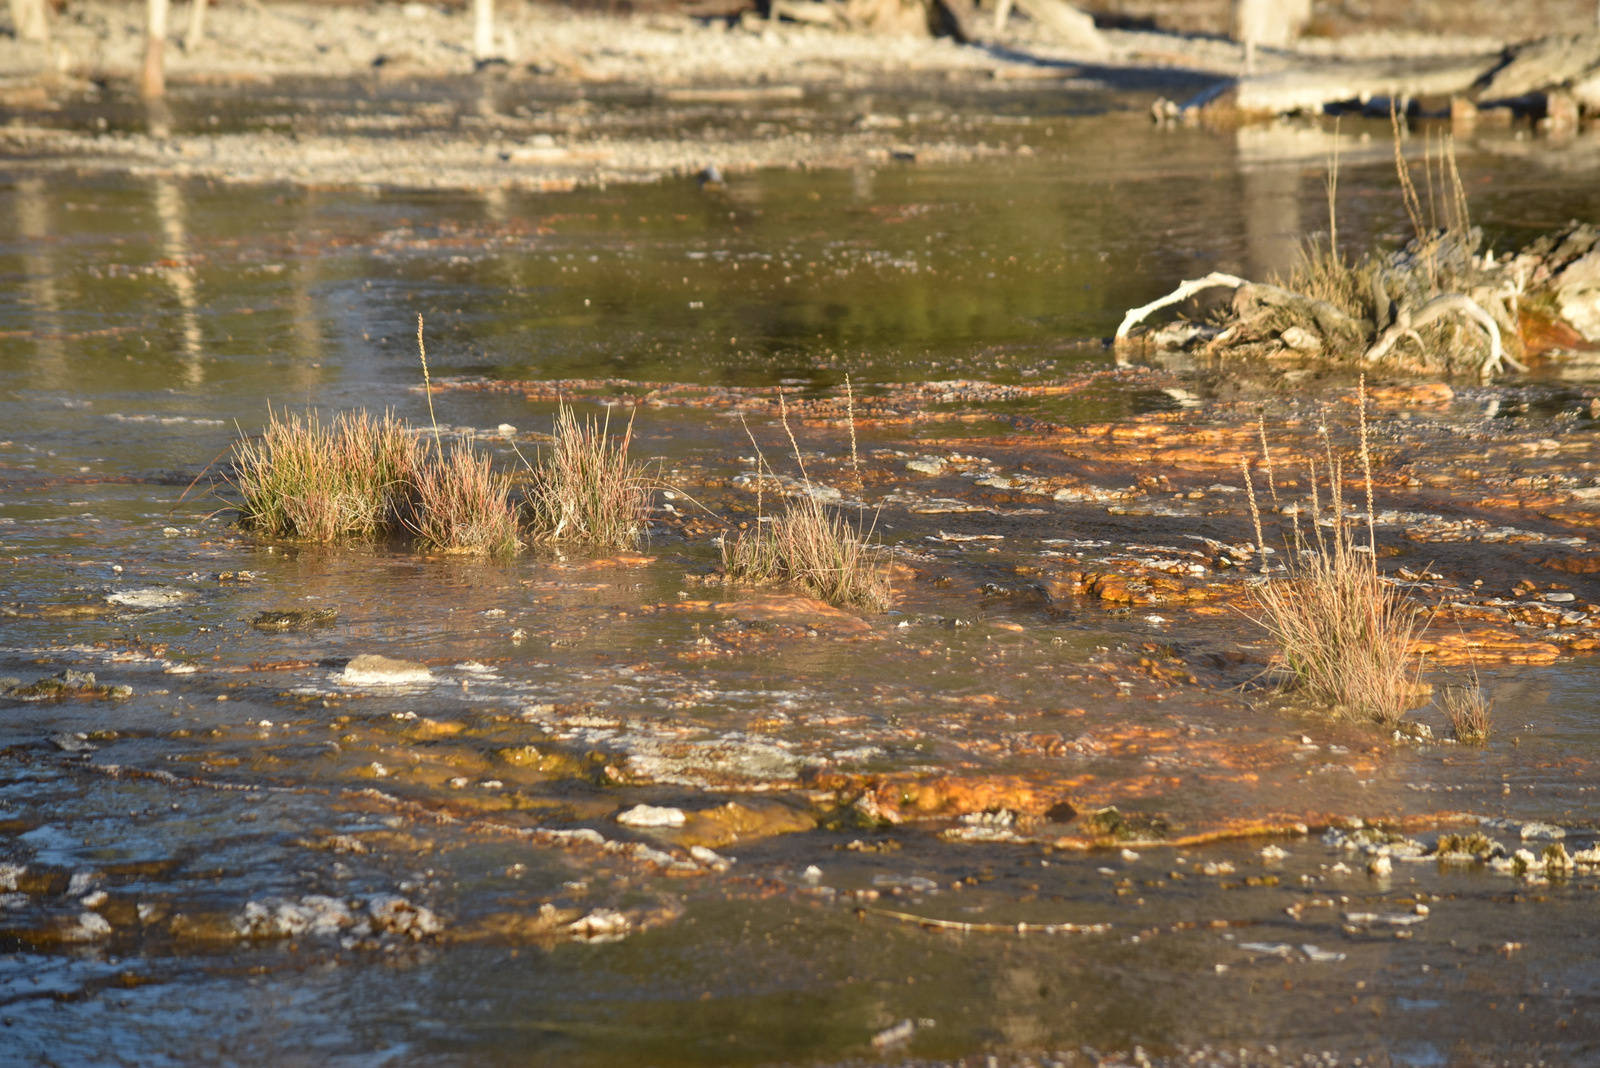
245 784
179 276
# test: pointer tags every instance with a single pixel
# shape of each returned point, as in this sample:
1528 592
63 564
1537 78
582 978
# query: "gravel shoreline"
755 82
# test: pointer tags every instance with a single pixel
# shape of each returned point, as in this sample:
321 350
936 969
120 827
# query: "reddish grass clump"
586 489
463 506
1469 709
814 548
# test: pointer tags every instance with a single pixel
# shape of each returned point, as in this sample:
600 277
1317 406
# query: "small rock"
1270 949
1321 956
651 816
1380 865
711 858
600 925
1301 340
68 742
150 597
86 927
391 912
370 669
926 465
893 1036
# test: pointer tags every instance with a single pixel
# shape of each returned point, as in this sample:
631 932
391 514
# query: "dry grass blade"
343 481
1469 710
587 489
463 506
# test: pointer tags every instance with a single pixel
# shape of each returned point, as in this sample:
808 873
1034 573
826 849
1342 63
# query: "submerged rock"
370 669
85 927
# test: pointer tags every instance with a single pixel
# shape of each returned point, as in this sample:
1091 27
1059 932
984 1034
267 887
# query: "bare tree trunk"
29 20
153 78
483 30
196 36
1273 23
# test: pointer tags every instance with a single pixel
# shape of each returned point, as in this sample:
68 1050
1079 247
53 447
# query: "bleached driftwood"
1559 63
1069 25
1553 61
483 31
1273 23
1184 291
195 36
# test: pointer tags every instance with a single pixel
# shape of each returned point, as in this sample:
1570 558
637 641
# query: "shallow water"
150 321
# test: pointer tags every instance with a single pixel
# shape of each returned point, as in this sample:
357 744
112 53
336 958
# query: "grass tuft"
325 482
809 545
1345 635
1468 708
360 478
817 549
463 506
586 489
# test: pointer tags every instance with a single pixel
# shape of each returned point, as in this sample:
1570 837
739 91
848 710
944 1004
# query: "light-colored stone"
370 669
652 816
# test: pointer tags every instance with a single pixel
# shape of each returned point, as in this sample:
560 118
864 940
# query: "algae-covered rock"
1126 827
295 619
80 685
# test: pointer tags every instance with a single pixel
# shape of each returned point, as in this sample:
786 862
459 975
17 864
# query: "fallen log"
1549 63
1313 88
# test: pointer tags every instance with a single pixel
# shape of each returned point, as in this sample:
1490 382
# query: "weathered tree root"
1406 324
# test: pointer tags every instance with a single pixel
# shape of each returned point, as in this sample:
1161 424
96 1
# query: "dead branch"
1182 293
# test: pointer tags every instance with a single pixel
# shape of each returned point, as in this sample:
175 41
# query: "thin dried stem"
427 386
850 412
